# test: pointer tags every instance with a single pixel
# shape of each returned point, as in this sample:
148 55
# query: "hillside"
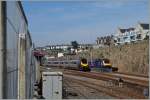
132 58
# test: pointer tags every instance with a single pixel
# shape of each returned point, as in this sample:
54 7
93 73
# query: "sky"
60 22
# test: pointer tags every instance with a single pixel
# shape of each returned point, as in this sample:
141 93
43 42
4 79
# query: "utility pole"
91 55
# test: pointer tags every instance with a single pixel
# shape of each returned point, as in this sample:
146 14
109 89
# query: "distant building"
103 41
57 47
124 35
132 34
142 30
60 55
85 46
65 49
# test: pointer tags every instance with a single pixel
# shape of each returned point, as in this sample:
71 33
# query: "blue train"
102 65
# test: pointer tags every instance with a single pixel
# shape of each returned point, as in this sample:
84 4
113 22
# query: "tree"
75 44
69 49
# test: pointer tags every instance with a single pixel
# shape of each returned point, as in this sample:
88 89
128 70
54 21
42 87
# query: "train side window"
55 62
74 62
84 61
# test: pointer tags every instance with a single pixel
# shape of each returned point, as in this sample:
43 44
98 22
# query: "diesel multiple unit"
102 65
81 64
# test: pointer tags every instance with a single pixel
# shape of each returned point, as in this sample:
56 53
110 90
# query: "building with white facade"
105 41
132 34
142 30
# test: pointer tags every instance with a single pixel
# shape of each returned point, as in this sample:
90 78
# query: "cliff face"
133 58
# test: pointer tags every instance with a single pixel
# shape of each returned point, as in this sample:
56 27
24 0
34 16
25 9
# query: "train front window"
106 61
84 61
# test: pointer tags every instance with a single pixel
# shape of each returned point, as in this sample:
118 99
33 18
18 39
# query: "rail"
101 86
132 79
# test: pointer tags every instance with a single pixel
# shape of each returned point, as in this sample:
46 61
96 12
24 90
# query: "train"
83 64
78 64
102 65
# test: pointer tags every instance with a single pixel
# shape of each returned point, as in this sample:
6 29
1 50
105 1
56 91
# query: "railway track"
85 91
73 89
130 79
117 92
123 74
140 75
133 86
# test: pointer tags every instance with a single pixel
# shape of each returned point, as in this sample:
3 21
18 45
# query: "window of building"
118 39
132 37
139 36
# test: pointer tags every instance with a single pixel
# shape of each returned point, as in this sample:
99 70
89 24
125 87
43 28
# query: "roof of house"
144 26
124 30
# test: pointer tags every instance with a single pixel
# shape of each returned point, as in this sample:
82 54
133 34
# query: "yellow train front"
77 64
84 66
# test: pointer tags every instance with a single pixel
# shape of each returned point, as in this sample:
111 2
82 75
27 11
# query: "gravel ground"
73 90
78 91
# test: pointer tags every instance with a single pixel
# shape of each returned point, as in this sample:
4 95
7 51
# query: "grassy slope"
133 58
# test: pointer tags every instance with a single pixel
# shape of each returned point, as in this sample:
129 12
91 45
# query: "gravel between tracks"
75 90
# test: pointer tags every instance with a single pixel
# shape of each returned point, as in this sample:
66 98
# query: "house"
106 40
131 34
142 30
124 35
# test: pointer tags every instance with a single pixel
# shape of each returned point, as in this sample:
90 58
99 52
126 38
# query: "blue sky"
59 22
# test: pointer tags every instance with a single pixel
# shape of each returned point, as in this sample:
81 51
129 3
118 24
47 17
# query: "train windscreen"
106 61
84 61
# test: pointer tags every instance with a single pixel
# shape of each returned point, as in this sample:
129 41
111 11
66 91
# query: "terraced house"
105 41
140 32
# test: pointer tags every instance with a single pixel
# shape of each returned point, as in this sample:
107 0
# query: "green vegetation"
74 44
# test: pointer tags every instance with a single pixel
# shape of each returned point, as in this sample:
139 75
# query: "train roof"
62 60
